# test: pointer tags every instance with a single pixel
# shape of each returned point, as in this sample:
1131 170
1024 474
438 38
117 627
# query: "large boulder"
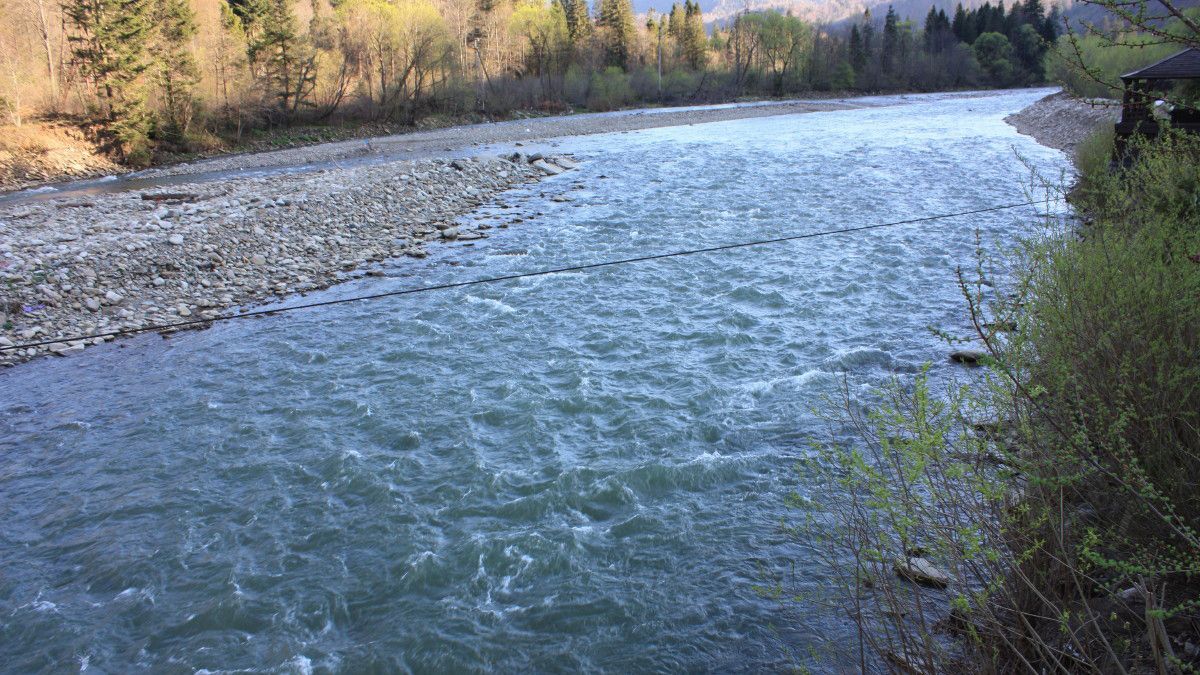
921 571
969 357
547 168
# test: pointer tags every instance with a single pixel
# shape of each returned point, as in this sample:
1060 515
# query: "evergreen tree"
998 19
109 44
868 35
175 72
676 22
579 24
276 51
938 34
693 35
931 29
1049 27
616 21
983 19
1032 12
855 52
891 42
964 25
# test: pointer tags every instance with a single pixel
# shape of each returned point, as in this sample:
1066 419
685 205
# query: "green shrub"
680 85
1061 493
1105 63
1094 154
609 90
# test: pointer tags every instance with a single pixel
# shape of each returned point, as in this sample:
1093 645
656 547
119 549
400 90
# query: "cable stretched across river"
510 277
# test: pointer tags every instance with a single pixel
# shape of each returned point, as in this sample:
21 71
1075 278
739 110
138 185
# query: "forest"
189 75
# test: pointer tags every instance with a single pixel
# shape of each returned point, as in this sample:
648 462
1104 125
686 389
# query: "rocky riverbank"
130 260
35 153
462 138
1062 121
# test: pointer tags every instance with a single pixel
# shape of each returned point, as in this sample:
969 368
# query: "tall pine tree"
618 31
694 49
579 24
109 45
890 51
857 55
174 70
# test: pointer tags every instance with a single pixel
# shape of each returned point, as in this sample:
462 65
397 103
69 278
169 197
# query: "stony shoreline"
197 250
468 138
1062 122
130 260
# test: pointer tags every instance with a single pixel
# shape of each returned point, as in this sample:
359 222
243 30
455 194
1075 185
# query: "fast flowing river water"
584 471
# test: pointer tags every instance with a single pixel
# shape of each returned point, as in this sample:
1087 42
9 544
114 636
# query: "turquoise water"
583 471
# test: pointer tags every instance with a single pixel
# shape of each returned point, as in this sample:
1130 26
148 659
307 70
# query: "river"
582 471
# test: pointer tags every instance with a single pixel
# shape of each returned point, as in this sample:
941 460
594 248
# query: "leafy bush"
1061 494
1102 63
609 90
680 85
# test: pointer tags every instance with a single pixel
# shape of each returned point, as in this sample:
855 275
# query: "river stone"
565 163
970 357
546 168
243 247
921 571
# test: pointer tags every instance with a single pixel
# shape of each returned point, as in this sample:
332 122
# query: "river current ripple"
584 471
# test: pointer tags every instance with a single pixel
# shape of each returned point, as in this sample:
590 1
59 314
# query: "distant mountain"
837 11
816 11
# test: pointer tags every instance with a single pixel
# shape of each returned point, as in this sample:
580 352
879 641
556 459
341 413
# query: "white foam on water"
491 303
760 387
299 664
709 458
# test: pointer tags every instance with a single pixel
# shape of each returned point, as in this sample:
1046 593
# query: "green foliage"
995 55
397 60
109 44
1091 65
618 33
1094 154
785 42
942 54
678 85
544 27
692 37
1070 518
843 76
174 71
609 90
579 24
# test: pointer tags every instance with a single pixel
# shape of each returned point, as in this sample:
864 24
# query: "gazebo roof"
1182 66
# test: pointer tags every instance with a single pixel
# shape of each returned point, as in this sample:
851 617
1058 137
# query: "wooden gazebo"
1157 80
